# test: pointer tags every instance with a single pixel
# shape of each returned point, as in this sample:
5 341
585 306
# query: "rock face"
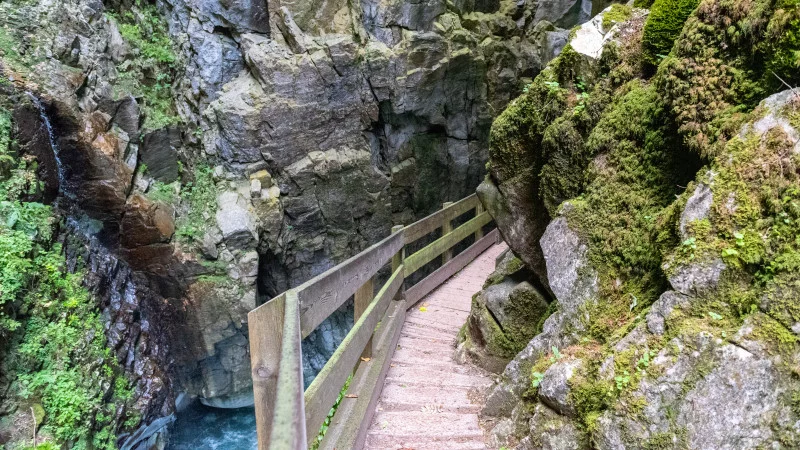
218 153
674 320
375 101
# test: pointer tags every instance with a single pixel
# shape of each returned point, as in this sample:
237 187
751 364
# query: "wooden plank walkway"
428 400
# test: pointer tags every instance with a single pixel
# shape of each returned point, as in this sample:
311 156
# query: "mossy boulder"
663 26
505 315
729 56
537 146
679 199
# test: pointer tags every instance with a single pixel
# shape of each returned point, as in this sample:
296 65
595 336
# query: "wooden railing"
289 418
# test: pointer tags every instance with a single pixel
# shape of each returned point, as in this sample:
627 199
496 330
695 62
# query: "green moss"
626 165
780 339
9 49
667 440
780 298
782 43
496 341
516 134
199 199
562 175
617 14
718 67
663 26
150 69
525 311
618 215
513 266
591 396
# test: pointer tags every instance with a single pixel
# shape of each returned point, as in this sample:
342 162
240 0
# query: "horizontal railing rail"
288 417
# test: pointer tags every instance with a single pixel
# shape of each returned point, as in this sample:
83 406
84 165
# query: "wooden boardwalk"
428 400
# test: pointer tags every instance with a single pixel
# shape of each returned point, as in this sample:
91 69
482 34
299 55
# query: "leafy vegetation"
57 347
324 428
149 69
200 198
164 192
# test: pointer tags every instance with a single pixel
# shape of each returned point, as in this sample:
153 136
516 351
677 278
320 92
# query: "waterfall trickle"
53 143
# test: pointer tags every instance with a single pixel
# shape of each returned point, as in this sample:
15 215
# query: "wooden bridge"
287 417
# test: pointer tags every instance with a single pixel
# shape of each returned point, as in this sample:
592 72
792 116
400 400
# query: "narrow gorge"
167 166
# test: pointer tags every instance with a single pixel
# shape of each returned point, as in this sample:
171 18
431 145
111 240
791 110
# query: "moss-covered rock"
663 26
537 151
684 192
505 315
724 63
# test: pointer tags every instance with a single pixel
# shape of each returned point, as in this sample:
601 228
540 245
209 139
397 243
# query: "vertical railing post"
363 297
266 334
447 227
397 261
478 212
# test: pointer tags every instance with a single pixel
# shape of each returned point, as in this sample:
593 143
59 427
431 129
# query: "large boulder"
577 285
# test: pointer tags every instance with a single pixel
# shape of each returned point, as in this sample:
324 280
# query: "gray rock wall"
323 124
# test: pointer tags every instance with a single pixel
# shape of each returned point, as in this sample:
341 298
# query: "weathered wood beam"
429 224
322 393
288 423
348 429
447 227
437 247
361 302
397 261
478 212
325 293
266 331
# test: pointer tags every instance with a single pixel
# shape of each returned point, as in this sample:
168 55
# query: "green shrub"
663 26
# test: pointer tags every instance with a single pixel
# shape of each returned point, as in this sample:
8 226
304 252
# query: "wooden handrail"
325 293
288 417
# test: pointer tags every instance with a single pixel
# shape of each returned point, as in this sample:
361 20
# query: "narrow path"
428 400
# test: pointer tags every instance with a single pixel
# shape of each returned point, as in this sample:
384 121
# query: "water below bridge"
428 400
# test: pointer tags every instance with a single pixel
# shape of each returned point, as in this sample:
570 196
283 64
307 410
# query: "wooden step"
428 400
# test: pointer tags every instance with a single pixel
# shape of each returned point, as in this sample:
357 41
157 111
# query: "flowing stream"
203 427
